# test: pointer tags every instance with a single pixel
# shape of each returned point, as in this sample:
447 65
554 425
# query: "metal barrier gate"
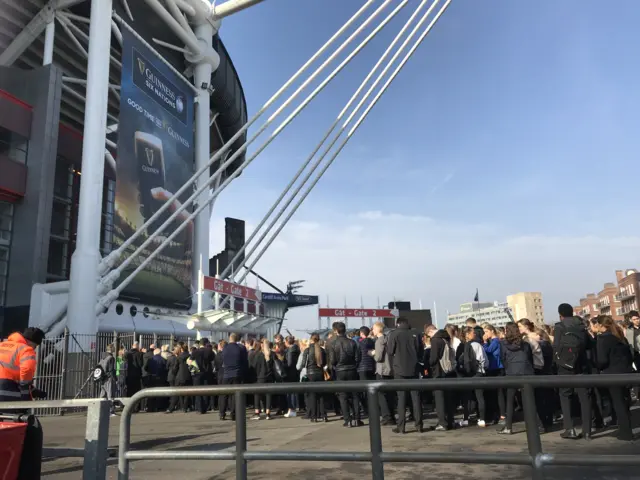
535 458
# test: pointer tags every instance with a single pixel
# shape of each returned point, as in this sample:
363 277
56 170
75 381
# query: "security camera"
211 89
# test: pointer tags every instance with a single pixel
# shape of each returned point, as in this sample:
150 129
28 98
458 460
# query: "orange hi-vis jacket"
17 368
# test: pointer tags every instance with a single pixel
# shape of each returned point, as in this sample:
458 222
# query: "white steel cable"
110 259
349 135
354 97
117 271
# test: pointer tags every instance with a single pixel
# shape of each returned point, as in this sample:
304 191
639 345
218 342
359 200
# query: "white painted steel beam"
83 293
49 39
233 6
27 36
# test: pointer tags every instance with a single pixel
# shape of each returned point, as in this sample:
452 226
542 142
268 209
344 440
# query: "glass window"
6 220
13 145
57 261
63 178
59 215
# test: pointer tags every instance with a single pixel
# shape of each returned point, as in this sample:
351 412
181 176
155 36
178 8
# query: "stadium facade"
44 89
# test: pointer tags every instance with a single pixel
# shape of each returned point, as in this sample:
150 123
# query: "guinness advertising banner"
155 158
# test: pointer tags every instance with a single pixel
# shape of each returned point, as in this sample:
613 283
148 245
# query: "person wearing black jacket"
134 372
445 406
172 369
182 378
403 347
570 331
545 397
204 358
292 353
265 373
147 404
314 359
614 356
219 372
344 358
517 358
367 366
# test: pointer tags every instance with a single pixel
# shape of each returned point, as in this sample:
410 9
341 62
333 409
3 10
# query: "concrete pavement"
191 431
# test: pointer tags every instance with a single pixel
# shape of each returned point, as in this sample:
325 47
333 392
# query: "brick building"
588 306
615 300
608 303
628 291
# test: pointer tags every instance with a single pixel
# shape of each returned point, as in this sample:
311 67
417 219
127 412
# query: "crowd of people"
573 346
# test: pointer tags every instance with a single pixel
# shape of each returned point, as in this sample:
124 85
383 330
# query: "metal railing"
535 458
96 441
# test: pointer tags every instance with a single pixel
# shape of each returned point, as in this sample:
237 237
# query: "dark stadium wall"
41 90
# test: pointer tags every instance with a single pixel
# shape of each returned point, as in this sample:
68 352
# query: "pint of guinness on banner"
155 158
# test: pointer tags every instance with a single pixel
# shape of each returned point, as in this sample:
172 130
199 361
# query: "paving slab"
190 431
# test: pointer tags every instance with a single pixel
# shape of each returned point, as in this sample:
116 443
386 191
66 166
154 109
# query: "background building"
527 305
616 300
496 313
628 291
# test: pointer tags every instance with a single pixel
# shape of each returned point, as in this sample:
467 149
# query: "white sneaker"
481 424
463 423
255 417
290 414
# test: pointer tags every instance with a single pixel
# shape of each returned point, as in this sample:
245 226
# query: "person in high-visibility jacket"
18 365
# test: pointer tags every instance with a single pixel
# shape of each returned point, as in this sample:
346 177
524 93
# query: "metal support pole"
83 294
49 37
533 434
202 78
64 367
241 436
375 435
96 441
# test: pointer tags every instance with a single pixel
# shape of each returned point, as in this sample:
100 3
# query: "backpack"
570 349
448 359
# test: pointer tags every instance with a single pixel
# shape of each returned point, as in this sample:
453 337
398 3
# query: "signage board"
155 158
357 312
290 299
232 289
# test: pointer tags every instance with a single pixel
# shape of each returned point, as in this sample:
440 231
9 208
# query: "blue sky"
502 158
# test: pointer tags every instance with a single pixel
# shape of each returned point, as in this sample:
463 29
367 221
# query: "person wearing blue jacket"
493 348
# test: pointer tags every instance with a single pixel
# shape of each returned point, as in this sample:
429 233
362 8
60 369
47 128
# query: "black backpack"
570 348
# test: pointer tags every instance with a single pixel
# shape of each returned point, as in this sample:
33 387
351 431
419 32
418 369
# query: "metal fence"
534 458
65 363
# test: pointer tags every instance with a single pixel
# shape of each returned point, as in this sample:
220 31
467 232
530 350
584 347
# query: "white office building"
496 313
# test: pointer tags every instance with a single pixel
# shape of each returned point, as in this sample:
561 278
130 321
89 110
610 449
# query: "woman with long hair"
473 364
547 399
314 360
263 365
496 408
614 356
517 358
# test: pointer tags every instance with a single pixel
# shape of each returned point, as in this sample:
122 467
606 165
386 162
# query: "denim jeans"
292 401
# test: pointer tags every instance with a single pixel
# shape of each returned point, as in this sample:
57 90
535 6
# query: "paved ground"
196 432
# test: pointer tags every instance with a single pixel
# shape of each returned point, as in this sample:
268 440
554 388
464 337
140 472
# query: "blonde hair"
266 349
